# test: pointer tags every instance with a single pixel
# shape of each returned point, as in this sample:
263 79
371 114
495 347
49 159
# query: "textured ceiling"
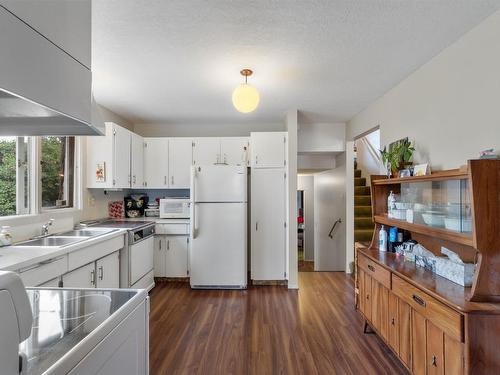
178 61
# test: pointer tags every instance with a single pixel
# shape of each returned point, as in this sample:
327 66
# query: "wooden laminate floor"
264 330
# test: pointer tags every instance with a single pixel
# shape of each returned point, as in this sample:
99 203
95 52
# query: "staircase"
363 224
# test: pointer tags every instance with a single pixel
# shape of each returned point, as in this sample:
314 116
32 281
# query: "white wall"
306 183
204 130
315 161
368 158
450 106
321 137
291 241
330 205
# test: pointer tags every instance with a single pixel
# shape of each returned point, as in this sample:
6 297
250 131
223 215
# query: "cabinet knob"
434 361
393 321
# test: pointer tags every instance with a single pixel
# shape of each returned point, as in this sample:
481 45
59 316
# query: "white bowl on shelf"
453 223
433 220
399 214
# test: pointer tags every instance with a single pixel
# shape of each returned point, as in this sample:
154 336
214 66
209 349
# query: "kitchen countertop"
13 258
158 220
68 323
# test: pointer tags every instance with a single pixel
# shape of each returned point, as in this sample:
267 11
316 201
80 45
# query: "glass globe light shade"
245 98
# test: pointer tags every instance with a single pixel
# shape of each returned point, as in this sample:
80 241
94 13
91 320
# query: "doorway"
305 231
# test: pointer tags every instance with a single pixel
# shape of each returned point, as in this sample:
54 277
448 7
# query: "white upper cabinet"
137 161
156 163
65 23
268 149
235 150
206 151
108 158
180 159
122 148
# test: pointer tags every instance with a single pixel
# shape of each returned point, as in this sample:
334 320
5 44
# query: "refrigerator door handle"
193 204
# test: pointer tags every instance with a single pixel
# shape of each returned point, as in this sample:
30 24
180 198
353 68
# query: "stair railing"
375 154
339 220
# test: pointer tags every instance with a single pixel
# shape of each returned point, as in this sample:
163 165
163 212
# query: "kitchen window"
57 172
15 175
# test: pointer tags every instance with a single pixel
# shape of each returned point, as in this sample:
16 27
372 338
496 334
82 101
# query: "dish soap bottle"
382 239
5 236
391 204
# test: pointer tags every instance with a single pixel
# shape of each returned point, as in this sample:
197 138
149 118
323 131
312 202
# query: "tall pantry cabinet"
268 206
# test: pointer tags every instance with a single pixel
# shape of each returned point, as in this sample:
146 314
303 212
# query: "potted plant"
398 156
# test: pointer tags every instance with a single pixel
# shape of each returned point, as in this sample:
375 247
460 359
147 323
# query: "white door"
329 206
137 162
268 149
108 271
156 163
268 216
235 150
159 256
121 148
180 159
206 151
218 253
141 259
219 183
176 256
83 277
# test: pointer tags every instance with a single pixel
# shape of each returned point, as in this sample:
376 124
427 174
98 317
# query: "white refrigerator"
218 254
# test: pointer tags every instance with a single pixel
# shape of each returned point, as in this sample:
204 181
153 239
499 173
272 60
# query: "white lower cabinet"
83 277
108 271
103 273
171 256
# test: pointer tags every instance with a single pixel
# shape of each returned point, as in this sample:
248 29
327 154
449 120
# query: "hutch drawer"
375 271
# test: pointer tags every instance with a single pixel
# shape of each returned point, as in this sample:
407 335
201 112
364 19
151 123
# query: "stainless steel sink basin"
87 232
52 241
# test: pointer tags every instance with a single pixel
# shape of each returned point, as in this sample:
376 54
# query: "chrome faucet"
45 227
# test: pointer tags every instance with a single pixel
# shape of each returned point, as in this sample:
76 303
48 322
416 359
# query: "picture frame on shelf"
421 170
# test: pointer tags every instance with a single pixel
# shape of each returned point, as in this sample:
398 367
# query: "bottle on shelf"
393 236
382 239
391 204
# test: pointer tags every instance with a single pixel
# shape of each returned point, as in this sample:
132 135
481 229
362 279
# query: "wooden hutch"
432 324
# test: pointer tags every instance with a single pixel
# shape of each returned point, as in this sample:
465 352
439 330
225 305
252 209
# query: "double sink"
66 238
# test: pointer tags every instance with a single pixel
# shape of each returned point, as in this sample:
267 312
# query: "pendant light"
245 97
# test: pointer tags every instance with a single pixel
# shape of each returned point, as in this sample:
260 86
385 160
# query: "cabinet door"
137 161
268 224
121 149
368 299
206 151
268 149
176 259
180 159
361 295
404 314
83 277
159 256
234 150
156 163
393 323
435 347
418 343
453 356
383 310
108 271
375 297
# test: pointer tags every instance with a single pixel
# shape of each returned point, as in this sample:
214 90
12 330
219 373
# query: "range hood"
43 89
22 117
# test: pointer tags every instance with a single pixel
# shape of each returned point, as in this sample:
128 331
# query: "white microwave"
174 208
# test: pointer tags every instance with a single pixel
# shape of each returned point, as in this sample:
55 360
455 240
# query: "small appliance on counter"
135 205
153 210
175 208
115 210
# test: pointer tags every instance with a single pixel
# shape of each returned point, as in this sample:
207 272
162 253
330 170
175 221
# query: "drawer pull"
393 322
418 300
371 268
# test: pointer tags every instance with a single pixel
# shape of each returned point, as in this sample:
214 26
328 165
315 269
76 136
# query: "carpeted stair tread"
359 181
362 211
357 173
362 200
363 223
362 190
363 234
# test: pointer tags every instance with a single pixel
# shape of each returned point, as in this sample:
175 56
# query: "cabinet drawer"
376 271
91 253
450 321
172 228
44 271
